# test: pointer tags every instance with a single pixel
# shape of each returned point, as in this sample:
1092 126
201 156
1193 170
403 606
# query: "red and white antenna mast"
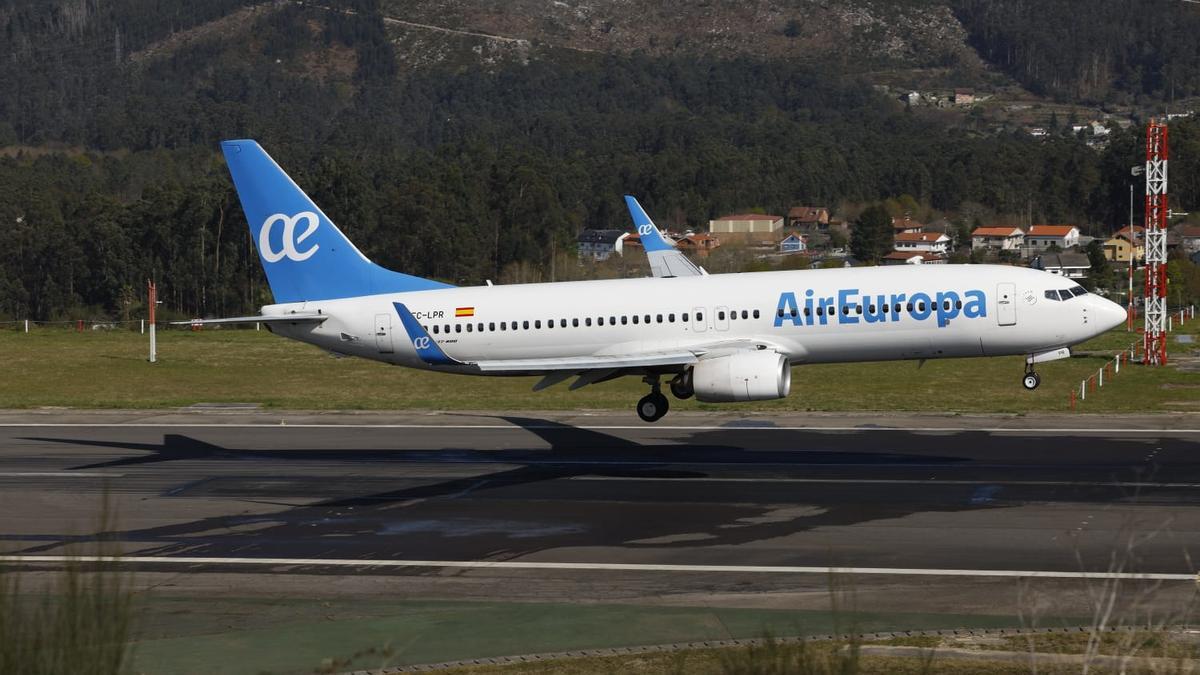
1155 294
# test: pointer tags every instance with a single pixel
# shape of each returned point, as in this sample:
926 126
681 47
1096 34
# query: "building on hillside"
964 97
699 244
913 258
793 243
906 224
746 223
997 238
815 218
1042 237
933 242
1069 265
600 244
1128 243
1189 238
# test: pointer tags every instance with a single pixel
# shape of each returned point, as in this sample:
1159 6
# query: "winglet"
652 239
427 348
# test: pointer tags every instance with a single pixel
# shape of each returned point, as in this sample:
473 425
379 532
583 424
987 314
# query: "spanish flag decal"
464 311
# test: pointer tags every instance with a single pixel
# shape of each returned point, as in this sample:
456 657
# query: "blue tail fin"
305 255
652 239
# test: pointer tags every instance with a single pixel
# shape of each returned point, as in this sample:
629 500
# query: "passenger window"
755 314
599 321
699 316
671 318
792 312
909 307
469 327
525 325
647 317
898 307
946 305
588 321
920 306
958 304
562 323
779 312
684 318
435 330
624 320
479 327
845 310
612 320
503 325
820 311
658 318
720 316
575 323
745 314
807 312
491 325
1052 295
446 330
537 323
871 309
858 309
458 328
635 319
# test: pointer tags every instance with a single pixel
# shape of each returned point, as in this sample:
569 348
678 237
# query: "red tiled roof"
1190 231
1050 230
996 231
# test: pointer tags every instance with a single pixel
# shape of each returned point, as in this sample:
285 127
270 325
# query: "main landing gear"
1031 380
654 405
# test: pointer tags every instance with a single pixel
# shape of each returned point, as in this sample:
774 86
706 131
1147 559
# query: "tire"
1031 381
681 387
652 407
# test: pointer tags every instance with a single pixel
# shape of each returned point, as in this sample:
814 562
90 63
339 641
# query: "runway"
713 496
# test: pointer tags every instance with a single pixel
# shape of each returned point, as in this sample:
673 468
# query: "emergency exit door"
1006 304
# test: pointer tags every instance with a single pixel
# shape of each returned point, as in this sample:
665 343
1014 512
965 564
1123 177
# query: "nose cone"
1109 314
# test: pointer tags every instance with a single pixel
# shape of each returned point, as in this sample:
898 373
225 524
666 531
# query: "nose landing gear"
1031 380
654 405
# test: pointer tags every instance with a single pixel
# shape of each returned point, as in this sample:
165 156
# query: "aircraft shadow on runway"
592 489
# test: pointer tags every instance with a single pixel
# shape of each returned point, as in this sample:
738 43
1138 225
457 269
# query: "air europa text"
849 306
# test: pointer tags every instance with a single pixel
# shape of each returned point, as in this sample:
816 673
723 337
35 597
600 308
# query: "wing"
665 259
590 369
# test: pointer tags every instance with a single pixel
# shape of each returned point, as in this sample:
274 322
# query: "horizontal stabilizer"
299 317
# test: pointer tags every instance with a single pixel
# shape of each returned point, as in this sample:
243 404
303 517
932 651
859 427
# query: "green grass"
109 370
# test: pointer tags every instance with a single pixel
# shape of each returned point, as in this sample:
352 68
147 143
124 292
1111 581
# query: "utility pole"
153 297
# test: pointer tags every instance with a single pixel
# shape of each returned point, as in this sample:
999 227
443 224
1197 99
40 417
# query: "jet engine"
742 376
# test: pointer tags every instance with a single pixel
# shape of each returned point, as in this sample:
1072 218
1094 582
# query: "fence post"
26 325
143 326
256 324
153 293
1083 390
1100 375
1117 365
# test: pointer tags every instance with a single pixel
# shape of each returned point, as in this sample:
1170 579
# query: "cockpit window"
1079 290
1052 295
1065 295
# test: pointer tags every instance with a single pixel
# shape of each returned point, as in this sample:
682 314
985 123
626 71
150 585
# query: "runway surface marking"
565 427
620 567
58 474
885 481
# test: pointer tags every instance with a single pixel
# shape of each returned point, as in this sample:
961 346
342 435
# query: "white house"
998 238
600 244
927 242
1041 237
1069 265
913 258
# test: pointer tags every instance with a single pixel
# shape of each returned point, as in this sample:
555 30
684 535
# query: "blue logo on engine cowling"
849 306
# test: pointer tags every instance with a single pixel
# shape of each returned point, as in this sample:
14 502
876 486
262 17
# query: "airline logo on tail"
290 240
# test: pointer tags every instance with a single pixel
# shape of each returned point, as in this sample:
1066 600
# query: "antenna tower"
1155 293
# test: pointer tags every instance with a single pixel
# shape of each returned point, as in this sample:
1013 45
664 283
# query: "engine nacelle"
742 376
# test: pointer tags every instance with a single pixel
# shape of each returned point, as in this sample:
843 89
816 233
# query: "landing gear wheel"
652 407
681 386
1031 380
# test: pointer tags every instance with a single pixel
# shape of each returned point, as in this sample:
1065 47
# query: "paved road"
922 493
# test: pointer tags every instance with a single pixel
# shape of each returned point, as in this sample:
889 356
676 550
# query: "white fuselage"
853 314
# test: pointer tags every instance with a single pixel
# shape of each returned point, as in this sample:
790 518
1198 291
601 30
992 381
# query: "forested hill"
466 150
1098 50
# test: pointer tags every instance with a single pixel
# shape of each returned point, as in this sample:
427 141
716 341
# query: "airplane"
718 337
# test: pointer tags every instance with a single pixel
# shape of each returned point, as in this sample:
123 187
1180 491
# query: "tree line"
462 174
